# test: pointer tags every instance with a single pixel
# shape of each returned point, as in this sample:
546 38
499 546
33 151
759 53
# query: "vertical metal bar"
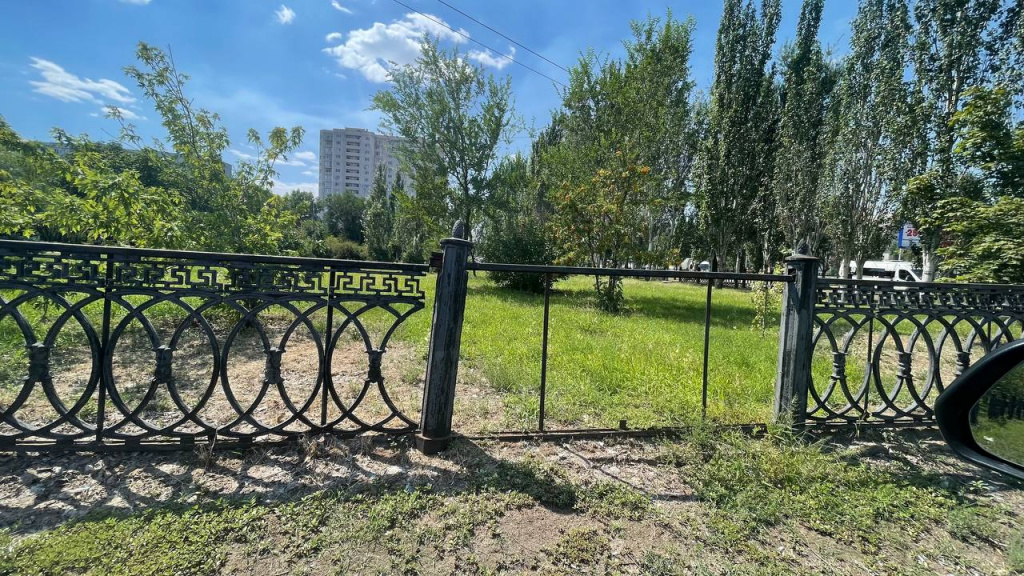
707 338
104 348
328 350
871 363
544 350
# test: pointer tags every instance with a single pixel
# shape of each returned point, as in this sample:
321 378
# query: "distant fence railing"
133 327
884 351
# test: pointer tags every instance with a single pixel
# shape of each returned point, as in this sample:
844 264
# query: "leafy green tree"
379 219
219 212
599 222
343 215
877 137
731 166
516 232
453 117
300 203
82 198
803 139
984 230
950 46
411 232
641 106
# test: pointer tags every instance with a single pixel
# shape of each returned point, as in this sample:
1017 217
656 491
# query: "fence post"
445 337
795 332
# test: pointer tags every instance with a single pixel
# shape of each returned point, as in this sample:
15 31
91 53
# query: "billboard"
908 236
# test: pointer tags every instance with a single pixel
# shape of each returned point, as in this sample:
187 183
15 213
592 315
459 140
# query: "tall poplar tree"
951 47
803 142
730 172
877 145
378 218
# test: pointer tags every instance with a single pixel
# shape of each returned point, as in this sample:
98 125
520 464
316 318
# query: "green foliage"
453 116
990 141
180 197
950 45
1016 553
615 501
736 155
344 249
343 215
807 87
378 220
580 547
986 239
638 108
766 297
983 223
515 231
876 125
598 222
411 233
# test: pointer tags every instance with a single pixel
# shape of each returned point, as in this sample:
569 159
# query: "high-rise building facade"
349 158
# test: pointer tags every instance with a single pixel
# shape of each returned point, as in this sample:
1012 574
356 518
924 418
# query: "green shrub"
517 240
343 249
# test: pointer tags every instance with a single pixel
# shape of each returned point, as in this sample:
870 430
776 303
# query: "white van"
891 270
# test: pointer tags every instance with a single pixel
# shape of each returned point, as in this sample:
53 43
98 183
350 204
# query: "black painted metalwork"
92 305
707 346
544 351
919 337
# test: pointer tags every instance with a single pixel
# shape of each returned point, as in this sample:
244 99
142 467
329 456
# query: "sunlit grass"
644 365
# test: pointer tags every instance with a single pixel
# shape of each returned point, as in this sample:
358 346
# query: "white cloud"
308 173
372 50
242 155
333 37
305 156
284 14
64 86
487 58
138 2
282 188
125 113
337 6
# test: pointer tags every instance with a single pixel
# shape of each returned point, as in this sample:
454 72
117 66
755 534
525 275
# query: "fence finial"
459 230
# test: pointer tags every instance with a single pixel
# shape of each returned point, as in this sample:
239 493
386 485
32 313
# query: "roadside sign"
908 236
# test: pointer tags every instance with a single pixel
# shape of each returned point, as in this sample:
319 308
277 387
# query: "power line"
541 56
467 37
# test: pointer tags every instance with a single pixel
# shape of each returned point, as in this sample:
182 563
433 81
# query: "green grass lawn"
643 365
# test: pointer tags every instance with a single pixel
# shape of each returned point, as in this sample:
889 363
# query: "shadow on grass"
51 489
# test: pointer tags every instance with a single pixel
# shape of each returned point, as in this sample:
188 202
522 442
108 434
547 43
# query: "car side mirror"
981 414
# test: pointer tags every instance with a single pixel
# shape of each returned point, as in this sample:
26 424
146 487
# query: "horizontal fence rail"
884 351
627 272
125 346
552 272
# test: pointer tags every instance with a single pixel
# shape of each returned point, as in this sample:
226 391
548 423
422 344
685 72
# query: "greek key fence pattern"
102 346
884 351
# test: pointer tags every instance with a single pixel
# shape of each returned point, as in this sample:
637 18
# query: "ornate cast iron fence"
118 346
884 351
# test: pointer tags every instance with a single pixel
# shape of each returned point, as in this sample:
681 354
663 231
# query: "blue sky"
314 63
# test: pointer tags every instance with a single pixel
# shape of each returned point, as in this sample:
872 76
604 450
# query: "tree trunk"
844 263
929 259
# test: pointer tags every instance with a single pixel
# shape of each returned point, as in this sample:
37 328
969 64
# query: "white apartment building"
349 158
